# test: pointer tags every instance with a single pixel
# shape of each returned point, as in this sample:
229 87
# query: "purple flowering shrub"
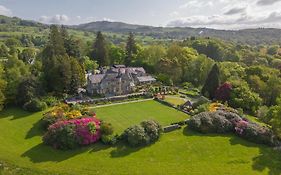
256 133
70 134
229 121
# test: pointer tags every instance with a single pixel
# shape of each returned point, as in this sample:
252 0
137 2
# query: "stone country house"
118 80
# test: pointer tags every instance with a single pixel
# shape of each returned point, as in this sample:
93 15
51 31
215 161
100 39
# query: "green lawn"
179 152
125 115
174 100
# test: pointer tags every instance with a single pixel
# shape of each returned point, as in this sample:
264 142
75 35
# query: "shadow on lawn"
15 113
267 159
123 150
43 153
120 150
36 130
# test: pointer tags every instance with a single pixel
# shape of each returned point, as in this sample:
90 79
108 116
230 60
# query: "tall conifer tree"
131 49
100 52
212 83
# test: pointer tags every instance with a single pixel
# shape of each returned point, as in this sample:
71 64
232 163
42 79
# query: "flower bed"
65 112
69 134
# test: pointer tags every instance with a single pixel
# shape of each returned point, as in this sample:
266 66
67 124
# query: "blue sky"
222 14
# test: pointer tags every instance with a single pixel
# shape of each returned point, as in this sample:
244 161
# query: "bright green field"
179 152
125 115
174 100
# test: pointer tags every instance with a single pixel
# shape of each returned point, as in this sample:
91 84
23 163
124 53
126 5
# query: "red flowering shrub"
69 134
223 92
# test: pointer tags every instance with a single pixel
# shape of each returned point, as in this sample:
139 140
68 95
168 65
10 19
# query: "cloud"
5 11
174 14
107 19
236 10
196 4
57 19
228 21
267 2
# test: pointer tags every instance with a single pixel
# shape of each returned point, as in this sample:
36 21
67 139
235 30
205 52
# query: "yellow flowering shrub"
214 106
73 114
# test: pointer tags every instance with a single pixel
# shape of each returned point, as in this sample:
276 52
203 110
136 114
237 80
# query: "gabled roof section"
146 79
96 78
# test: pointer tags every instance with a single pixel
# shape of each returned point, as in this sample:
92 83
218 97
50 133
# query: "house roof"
96 78
132 70
110 77
119 66
136 70
146 79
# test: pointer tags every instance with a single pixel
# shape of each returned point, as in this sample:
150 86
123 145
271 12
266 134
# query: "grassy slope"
179 152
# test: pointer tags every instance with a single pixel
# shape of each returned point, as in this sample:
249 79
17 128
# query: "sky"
218 14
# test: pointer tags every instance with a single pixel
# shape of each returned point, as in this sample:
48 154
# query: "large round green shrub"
147 132
210 122
152 129
35 105
62 138
135 136
106 128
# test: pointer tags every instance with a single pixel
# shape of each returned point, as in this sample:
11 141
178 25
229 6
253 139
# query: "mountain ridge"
244 36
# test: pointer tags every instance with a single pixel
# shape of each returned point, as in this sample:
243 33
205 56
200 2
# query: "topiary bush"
35 105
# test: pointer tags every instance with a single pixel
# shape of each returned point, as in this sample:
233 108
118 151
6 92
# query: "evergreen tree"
77 76
212 83
28 89
70 44
55 44
131 49
100 52
56 63
62 75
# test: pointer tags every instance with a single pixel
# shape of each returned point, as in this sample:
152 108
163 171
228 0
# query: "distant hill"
4 20
246 36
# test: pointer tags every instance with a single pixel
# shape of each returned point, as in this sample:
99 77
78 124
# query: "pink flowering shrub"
241 126
70 134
